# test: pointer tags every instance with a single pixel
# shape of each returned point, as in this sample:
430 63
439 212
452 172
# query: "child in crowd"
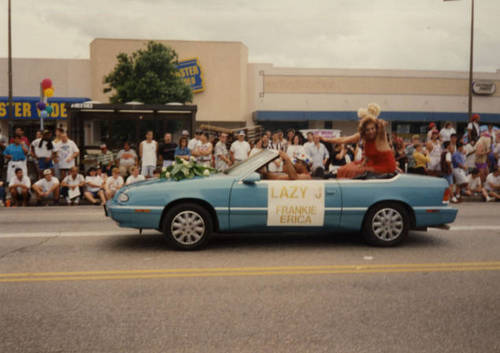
446 167
134 176
492 184
421 158
459 170
113 183
94 184
475 186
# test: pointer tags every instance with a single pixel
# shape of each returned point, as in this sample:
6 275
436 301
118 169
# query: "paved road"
71 281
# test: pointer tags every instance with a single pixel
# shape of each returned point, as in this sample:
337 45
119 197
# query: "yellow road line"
244 269
250 271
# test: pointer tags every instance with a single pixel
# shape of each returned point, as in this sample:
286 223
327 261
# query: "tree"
149 76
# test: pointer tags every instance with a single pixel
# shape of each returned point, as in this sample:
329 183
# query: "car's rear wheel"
386 224
187 226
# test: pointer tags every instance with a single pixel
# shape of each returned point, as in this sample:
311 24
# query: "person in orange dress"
378 154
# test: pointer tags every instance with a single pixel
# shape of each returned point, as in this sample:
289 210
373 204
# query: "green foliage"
182 169
149 76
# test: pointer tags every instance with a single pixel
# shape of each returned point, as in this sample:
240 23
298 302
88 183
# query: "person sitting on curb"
47 188
113 184
94 184
134 176
493 184
475 187
19 188
72 186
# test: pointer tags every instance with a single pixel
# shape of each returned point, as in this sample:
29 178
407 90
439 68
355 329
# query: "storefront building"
231 92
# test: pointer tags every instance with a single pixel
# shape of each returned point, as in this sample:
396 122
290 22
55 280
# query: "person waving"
378 154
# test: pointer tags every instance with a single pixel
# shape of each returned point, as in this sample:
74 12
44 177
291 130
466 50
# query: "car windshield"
251 164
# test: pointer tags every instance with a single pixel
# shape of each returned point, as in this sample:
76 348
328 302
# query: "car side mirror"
252 178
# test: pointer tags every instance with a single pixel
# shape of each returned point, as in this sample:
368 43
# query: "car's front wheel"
386 224
187 226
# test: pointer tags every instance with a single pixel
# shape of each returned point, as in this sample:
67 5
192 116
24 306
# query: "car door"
285 205
248 206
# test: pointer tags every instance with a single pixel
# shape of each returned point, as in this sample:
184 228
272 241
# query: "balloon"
41 105
49 92
44 114
46 83
48 109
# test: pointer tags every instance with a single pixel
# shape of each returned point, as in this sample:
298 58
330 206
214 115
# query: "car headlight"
123 197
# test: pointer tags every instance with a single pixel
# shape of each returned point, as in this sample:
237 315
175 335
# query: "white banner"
295 203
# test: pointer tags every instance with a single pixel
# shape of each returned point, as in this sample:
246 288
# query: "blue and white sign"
24 108
191 73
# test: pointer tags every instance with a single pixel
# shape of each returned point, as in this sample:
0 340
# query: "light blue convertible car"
383 208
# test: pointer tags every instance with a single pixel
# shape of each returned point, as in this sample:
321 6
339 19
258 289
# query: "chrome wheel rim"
187 227
387 224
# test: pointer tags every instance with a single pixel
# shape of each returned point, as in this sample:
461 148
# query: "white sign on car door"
295 203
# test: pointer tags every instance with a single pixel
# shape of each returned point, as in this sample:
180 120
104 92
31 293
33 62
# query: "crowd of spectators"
470 163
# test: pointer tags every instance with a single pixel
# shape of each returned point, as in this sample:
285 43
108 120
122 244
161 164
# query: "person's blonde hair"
368 116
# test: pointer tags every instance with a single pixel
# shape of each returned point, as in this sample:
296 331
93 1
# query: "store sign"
484 88
24 108
295 203
190 71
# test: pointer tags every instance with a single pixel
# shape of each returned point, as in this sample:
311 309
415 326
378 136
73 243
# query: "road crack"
27 247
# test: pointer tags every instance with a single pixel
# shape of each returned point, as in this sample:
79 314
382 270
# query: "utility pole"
11 116
471 59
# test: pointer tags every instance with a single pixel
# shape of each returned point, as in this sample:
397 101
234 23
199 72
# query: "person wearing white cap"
47 188
240 148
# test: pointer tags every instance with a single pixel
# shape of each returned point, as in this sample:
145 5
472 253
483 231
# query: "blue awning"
277 115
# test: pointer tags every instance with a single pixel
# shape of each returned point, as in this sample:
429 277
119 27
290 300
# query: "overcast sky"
390 34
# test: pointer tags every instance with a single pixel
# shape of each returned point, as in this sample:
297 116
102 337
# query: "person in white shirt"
240 149
435 150
492 184
475 187
94 185
126 159
195 141
134 176
309 141
113 184
222 156
148 150
72 186
319 155
294 147
493 134
66 153
47 188
19 187
470 155
446 132
203 152
275 144
258 146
